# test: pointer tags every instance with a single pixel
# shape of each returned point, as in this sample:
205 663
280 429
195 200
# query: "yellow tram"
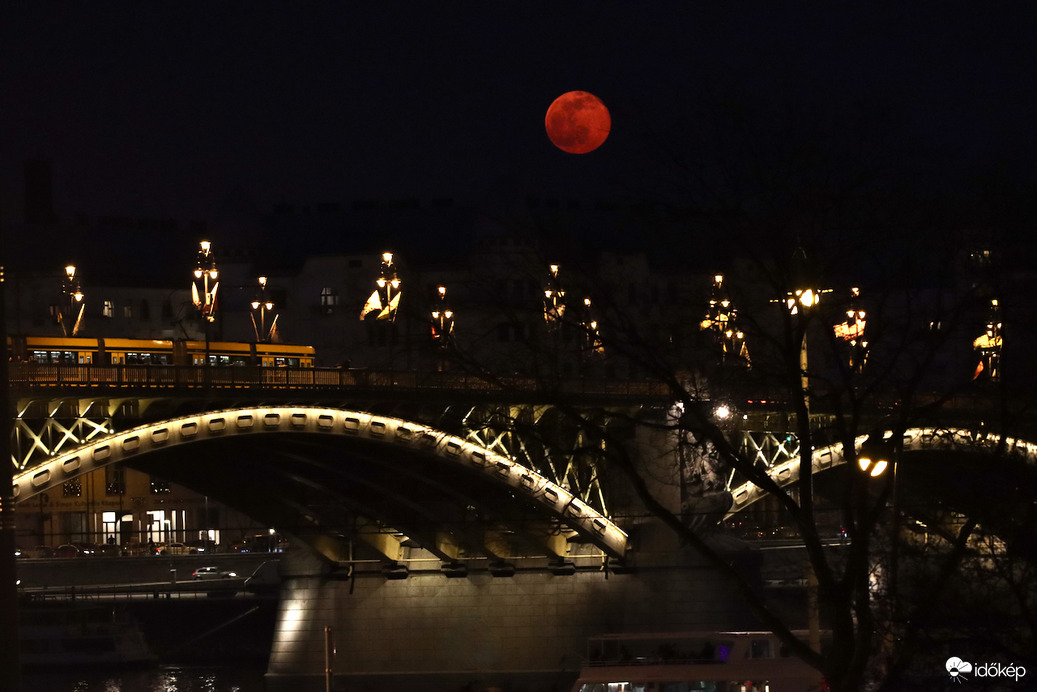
60 350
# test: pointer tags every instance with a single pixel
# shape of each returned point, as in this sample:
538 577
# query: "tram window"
55 357
147 358
760 648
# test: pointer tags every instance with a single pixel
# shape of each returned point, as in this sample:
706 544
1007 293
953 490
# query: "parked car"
38 551
213 572
66 550
86 548
202 545
174 549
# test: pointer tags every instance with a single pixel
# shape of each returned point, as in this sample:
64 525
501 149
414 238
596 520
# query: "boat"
694 661
74 635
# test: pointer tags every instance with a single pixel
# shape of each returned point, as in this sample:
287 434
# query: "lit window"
109 308
328 296
72 488
114 480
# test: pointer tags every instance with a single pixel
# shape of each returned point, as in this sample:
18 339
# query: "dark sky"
162 109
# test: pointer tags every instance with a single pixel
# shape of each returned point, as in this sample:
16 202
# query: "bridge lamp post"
442 325
69 316
875 457
799 302
261 306
554 300
204 287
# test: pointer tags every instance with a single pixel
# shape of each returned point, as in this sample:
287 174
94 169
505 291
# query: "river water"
160 679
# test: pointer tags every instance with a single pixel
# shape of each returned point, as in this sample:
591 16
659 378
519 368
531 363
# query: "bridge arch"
499 476
915 440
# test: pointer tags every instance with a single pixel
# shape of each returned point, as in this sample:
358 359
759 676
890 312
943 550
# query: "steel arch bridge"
780 456
299 466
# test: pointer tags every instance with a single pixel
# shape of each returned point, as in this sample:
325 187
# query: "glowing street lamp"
385 300
260 307
592 337
554 300
442 320
204 287
205 284
852 332
799 302
989 346
721 320
874 457
442 325
70 315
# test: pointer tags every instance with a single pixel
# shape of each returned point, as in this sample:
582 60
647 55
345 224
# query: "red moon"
577 122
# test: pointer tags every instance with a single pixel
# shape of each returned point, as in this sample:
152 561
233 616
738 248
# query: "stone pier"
520 633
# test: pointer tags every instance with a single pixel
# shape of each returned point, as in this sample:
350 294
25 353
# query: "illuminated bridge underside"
916 439
324 473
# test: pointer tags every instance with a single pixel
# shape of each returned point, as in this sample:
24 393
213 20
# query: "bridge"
416 493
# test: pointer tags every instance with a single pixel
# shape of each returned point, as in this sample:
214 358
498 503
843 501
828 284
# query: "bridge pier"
436 633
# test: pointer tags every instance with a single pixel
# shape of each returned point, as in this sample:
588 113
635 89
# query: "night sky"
170 109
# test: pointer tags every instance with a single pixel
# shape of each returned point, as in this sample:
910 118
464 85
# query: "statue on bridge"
704 495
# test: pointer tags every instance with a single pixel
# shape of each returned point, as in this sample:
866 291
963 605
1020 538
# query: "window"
108 310
145 310
159 486
114 480
72 488
127 311
328 299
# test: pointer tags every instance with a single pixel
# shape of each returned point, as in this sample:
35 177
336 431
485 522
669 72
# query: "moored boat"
73 635
688 662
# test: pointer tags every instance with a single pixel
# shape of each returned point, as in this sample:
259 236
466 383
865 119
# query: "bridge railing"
33 376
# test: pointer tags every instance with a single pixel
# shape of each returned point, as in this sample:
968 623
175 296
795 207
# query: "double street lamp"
385 300
554 300
875 456
70 313
722 320
204 287
442 324
260 307
205 284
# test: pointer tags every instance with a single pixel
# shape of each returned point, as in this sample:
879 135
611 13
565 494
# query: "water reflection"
161 679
